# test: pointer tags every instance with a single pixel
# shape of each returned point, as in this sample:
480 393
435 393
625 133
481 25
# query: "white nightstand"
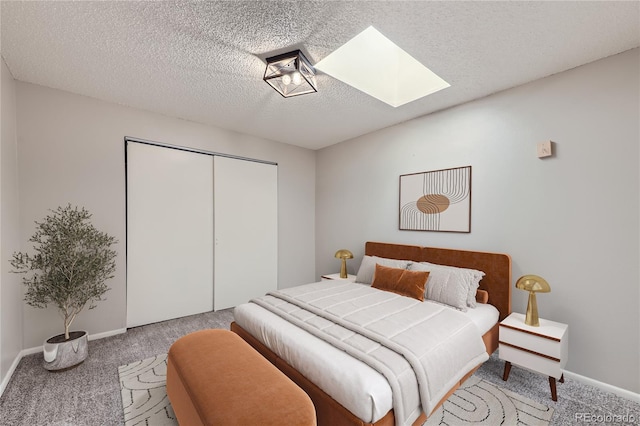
350 278
542 349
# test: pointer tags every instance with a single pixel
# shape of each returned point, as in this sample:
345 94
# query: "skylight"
375 65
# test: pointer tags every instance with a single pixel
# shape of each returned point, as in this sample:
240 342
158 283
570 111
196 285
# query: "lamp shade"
343 254
291 74
533 284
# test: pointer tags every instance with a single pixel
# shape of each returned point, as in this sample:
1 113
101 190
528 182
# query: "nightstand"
327 277
541 349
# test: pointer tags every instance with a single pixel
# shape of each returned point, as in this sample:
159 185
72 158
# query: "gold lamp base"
343 269
531 317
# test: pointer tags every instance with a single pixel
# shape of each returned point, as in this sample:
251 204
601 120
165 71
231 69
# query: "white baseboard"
107 334
35 350
632 396
30 351
12 369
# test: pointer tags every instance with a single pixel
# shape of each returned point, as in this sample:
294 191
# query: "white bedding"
354 384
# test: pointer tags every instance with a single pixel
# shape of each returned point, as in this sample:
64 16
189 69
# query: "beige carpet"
476 402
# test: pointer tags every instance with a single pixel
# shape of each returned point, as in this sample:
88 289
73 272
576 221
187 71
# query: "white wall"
573 218
71 150
10 287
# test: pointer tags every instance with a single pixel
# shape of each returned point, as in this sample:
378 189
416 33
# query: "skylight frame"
373 64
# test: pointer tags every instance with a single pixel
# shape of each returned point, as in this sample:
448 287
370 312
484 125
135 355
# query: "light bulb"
297 78
286 79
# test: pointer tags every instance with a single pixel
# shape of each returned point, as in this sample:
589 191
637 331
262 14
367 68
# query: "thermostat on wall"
544 149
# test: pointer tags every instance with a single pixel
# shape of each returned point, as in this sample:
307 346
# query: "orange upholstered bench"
215 378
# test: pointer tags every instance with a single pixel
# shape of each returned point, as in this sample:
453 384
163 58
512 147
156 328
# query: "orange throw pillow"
401 281
482 296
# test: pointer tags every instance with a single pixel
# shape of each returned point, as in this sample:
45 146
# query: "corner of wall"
10 291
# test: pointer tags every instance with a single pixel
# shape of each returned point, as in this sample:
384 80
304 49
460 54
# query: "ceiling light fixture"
291 74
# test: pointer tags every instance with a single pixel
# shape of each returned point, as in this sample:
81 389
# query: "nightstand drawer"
539 344
531 361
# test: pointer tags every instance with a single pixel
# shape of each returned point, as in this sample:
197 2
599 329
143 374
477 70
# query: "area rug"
144 393
476 402
479 402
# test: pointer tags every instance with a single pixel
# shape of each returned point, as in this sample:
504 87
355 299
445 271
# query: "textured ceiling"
204 61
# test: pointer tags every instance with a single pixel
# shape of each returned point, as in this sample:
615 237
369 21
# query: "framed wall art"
438 200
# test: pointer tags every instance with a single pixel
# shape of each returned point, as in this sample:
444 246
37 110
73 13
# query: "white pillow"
368 267
468 278
444 286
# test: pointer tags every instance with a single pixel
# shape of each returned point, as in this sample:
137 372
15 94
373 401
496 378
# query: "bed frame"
497 282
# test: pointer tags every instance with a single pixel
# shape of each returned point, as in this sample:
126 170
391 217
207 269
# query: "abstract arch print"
439 200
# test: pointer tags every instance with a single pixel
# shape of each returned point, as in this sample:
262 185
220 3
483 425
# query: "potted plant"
71 263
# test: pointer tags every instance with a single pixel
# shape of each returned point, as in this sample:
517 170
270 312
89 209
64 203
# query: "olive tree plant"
71 263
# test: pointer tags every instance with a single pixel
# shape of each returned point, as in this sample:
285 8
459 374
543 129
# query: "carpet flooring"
90 393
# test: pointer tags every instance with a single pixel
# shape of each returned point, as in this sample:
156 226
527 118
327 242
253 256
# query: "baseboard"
107 334
30 351
632 396
12 369
35 350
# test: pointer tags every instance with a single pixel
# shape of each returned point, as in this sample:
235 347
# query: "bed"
337 408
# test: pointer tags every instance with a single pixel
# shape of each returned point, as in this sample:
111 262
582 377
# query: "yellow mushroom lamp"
343 254
533 284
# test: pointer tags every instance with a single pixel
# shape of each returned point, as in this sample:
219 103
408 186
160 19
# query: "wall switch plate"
545 149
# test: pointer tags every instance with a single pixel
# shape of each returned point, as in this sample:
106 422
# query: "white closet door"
169 233
246 230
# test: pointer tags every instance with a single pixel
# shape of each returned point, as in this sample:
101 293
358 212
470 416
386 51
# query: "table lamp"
343 254
533 284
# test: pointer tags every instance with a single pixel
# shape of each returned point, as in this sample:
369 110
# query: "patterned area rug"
144 393
476 402
479 402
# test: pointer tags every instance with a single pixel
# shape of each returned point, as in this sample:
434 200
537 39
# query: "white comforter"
422 349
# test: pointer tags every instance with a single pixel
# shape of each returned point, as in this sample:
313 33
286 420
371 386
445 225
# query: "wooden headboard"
496 266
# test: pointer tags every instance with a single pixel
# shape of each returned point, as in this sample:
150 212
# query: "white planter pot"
60 354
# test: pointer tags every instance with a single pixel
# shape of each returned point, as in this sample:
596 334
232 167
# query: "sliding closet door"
169 233
246 230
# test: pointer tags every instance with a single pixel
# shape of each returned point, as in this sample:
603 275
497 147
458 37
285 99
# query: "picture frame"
438 200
